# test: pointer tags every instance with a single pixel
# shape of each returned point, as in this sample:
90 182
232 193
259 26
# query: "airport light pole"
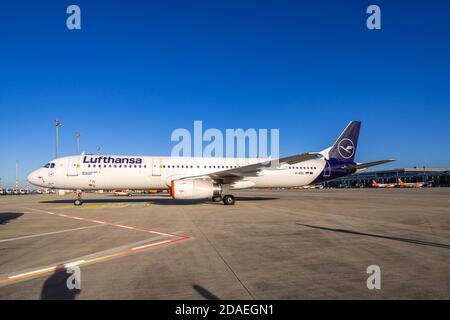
17 175
57 125
78 142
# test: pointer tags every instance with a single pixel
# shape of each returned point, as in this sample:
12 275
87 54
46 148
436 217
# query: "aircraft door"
156 167
72 166
327 170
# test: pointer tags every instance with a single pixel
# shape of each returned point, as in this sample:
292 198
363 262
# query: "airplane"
197 178
383 185
410 184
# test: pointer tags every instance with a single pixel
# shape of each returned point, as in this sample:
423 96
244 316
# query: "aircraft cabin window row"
52 165
116 166
198 167
162 166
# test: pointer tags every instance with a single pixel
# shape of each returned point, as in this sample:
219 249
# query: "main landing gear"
78 201
228 199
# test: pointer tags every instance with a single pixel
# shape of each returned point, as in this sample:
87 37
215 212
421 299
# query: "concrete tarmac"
273 244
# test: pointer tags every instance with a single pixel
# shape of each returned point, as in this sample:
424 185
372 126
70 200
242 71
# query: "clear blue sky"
139 69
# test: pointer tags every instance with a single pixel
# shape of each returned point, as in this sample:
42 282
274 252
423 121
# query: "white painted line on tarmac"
151 245
31 273
49 233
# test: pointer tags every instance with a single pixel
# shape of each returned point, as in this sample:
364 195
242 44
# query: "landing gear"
216 199
78 201
228 200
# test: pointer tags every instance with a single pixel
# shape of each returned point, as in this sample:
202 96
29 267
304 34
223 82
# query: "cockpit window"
47 165
52 165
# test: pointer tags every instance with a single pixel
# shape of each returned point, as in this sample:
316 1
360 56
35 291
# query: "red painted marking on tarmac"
117 225
30 274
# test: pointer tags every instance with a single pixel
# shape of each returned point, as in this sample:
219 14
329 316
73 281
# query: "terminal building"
433 177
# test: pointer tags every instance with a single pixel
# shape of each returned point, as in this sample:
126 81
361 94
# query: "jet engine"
194 189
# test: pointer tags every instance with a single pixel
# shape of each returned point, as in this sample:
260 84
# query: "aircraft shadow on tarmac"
205 293
414 241
6 217
160 201
55 287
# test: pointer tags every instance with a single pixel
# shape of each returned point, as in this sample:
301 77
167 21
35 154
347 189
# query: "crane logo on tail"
346 148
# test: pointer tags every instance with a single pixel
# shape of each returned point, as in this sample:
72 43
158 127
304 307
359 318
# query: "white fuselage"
120 172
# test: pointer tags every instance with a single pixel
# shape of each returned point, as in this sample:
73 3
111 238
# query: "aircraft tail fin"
345 146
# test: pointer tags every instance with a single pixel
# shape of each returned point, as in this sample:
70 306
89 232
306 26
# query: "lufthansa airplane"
202 178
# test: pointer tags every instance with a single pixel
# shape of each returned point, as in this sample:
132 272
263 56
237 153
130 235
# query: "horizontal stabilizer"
360 166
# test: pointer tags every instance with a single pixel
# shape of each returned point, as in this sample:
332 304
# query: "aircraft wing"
234 174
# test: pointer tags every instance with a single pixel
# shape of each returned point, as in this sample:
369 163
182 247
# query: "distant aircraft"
202 178
382 185
410 184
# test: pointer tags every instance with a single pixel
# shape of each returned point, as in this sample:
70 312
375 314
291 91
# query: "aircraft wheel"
78 202
228 200
216 199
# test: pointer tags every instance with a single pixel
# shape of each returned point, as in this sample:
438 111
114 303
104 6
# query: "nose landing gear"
78 201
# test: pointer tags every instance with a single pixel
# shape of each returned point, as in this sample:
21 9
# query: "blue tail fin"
345 146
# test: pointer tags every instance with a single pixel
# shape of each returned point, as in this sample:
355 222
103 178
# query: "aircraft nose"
33 178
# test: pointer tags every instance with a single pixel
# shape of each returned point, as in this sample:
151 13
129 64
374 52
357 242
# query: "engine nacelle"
194 189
